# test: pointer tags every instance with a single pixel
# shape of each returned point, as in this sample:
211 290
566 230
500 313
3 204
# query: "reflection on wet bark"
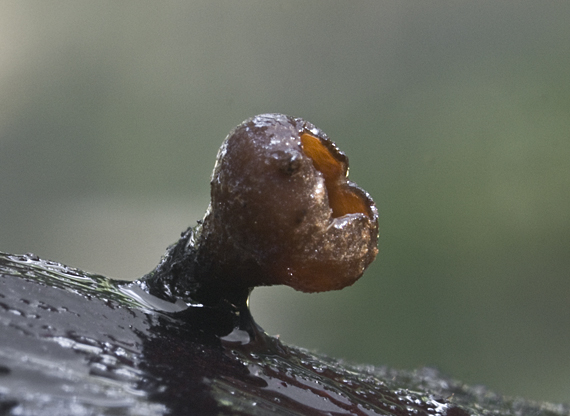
74 343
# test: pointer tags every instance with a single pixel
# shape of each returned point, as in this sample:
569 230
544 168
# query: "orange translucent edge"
342 199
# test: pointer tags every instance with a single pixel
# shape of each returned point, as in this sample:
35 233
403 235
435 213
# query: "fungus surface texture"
283 211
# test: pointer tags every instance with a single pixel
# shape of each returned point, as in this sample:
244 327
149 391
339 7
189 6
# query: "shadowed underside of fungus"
182 341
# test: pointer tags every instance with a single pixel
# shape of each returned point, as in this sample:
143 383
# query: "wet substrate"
72 343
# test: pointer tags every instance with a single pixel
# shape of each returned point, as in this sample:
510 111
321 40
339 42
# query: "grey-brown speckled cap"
283 212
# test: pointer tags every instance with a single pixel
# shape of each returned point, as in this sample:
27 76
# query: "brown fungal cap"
283 212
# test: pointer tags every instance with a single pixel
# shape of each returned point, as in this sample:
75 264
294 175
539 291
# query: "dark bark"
78 344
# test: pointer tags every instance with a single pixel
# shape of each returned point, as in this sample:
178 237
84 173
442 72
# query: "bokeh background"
455 116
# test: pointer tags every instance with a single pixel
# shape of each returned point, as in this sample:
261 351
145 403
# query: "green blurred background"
455 116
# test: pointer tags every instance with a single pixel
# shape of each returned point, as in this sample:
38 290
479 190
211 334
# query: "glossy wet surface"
79 344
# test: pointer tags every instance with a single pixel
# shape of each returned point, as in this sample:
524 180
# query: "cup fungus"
282 211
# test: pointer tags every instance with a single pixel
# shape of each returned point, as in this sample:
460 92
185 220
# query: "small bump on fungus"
282 211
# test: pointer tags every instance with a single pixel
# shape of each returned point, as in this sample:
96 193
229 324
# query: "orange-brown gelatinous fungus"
342 199
283 212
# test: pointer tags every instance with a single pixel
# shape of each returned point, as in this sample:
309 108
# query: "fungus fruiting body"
282 211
